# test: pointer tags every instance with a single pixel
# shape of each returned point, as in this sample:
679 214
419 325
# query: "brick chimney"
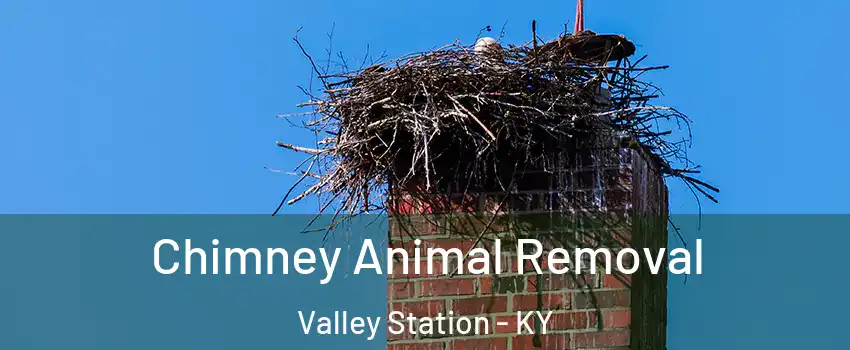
590 311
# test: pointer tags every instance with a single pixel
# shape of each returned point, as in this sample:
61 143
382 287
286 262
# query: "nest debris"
448 116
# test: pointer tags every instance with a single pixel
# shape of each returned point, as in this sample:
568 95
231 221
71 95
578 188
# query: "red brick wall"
591 311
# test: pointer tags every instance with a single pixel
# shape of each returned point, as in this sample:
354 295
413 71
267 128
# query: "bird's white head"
485 44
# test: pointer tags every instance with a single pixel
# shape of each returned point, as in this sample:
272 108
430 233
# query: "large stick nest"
453 120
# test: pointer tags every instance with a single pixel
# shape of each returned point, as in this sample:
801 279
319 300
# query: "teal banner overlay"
90 282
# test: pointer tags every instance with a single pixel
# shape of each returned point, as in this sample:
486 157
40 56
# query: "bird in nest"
488 51
487 44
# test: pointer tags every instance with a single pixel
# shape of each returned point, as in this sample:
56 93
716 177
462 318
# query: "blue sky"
169 106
